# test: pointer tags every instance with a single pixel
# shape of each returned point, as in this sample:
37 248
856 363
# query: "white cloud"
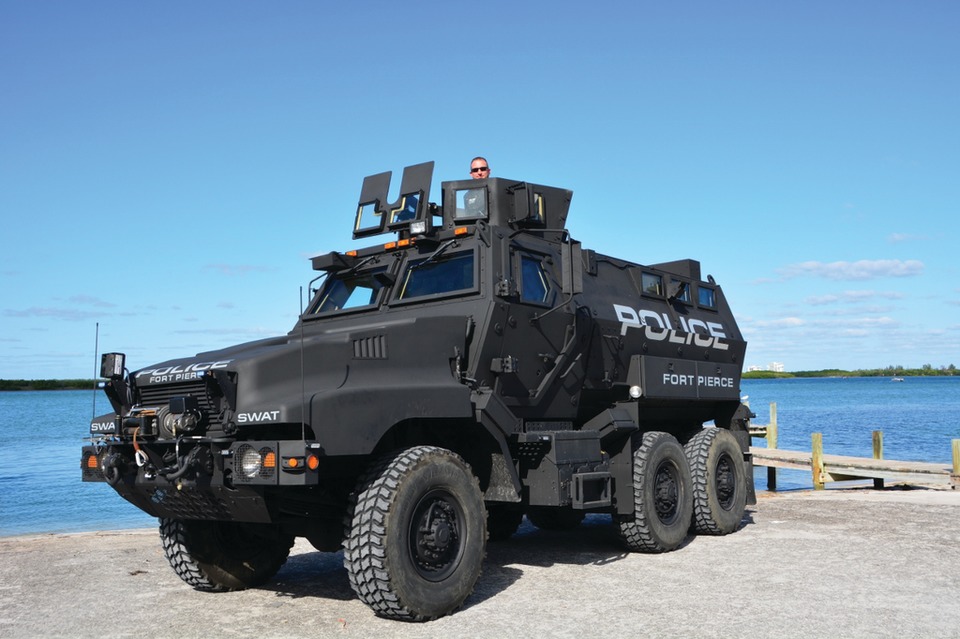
852 297
89 300
239 269
859 270
896 238
786 322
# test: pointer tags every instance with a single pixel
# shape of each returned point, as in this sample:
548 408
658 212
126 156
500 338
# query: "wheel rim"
436 538
726 482
667 492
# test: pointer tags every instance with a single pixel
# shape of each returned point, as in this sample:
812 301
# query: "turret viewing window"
472 204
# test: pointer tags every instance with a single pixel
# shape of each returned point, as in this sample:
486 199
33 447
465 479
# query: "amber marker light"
461 230
313 462
351 253
270 460
92 461
389 245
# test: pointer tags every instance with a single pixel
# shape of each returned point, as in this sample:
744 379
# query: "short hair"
480 157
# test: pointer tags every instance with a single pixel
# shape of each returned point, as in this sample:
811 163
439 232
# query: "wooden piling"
817 461
956 463
878 454
772 443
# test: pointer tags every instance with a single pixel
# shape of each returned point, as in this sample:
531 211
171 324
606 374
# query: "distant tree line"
926 370
46 384
890 371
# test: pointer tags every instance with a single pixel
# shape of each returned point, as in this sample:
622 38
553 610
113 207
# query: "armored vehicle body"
479 366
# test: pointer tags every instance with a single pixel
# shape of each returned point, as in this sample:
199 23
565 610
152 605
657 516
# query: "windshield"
353 290
435 276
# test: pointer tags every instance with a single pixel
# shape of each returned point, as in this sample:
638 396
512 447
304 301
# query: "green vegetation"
890 371
46 384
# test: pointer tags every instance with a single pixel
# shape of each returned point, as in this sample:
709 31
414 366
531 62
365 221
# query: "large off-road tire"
417 534
719 481
218 556
663 501
554 518
502 521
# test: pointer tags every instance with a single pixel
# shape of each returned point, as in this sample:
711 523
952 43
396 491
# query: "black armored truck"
478 367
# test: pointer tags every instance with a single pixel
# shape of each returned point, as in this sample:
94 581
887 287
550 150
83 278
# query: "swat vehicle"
479 366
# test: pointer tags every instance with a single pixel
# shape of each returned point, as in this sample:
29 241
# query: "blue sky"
167 169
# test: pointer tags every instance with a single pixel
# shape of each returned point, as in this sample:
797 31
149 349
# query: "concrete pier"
837 563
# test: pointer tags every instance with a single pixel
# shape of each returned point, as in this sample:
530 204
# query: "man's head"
479 168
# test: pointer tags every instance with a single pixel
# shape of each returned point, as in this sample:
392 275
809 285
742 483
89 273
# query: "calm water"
41 491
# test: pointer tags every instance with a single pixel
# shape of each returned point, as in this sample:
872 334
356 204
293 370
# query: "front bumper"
202 479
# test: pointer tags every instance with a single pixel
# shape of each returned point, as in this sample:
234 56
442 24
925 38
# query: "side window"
652 284
707 297
534 284
444 275
684 289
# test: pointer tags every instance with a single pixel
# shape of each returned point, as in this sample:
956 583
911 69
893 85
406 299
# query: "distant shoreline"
47 384
949 371
926 371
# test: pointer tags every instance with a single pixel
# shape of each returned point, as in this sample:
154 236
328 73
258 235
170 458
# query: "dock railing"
828 468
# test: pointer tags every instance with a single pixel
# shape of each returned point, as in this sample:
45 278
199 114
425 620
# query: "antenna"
303 392
96 352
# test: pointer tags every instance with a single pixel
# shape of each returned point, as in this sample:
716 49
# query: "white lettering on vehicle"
101 427
657 327
679 379
256 417
179 373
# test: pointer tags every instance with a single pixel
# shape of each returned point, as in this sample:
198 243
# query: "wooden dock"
843 468
828 468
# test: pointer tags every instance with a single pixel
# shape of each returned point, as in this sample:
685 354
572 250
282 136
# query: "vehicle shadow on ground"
594 542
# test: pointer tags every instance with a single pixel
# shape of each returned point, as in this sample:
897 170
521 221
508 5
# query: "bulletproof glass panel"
407 209
369 218
471 203
708 297
354 291
444 275
534 285
652 284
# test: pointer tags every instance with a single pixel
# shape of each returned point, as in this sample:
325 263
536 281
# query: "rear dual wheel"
663 498
719 481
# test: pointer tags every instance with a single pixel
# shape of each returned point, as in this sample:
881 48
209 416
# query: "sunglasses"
480 168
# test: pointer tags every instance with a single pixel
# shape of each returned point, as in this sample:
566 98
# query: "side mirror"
112 365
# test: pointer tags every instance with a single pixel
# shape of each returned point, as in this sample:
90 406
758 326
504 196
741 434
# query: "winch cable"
138 454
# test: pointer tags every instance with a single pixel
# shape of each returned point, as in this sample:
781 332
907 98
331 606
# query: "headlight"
250 461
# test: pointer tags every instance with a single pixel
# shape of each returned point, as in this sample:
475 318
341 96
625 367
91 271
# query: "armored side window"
472 203
707 297
444 275
683 290
652 284
354 291
534 284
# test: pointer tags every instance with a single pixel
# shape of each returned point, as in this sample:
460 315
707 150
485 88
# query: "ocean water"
42 432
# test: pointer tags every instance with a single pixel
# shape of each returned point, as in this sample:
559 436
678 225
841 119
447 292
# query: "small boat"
896 379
